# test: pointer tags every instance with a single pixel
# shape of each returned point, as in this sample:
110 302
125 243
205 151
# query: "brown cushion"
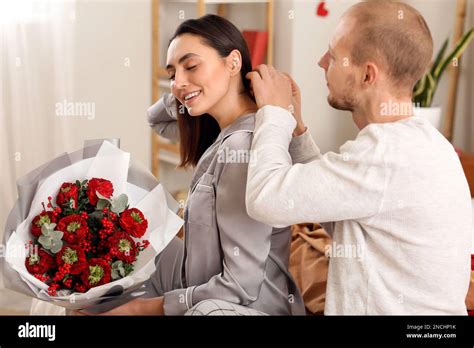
309 265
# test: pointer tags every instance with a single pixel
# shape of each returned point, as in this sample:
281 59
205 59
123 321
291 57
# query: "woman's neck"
226 113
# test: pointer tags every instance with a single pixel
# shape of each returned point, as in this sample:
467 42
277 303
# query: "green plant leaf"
456 53
430 91
420 86
425 88
439 57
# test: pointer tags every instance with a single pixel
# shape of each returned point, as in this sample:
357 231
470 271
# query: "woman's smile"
190 98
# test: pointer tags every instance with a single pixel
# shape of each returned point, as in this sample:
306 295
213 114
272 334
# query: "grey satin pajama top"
227 254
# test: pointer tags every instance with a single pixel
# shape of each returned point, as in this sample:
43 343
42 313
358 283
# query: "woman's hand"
138 306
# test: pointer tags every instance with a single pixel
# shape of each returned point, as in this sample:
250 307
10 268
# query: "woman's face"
199 76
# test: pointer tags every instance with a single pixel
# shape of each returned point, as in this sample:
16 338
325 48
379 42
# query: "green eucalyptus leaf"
119 204
56 235
56 245
44 231
128 268
114 274
118 271
45 241
102 203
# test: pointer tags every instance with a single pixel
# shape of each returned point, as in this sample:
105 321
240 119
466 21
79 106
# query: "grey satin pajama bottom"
168 277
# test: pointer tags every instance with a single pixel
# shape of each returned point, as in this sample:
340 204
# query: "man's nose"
323 62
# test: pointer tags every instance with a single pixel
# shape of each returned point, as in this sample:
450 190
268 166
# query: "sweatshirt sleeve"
162 117
303 149
332 187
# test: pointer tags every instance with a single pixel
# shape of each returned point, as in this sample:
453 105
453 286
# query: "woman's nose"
180 81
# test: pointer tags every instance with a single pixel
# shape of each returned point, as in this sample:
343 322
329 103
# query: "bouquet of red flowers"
97 236
86 239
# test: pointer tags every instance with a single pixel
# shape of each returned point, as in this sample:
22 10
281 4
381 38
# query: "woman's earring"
236 62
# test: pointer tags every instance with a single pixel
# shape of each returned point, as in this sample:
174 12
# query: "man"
395 200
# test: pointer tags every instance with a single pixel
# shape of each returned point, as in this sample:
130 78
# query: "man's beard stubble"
347 100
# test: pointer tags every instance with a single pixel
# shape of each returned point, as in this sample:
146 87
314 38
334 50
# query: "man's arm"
333 187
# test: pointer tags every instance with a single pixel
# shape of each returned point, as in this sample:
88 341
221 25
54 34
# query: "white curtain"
36 70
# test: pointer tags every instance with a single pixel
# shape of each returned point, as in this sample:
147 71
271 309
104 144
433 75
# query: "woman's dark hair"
198 133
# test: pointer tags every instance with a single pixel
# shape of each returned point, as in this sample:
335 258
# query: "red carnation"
46 217
133 222
40 262
122 247
98 272
74 256
104 187
74 227
67 192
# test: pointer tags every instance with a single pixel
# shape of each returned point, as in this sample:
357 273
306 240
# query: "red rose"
104 187
133 222
73 255
74 227
122 247
46 217
40 262
67 192
97 272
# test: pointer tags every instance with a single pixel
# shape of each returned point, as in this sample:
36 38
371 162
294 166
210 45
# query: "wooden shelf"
161 149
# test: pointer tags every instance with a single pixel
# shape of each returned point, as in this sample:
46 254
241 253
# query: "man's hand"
296 102
271 87
138 306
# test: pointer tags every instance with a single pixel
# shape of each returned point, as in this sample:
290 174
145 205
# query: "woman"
228 262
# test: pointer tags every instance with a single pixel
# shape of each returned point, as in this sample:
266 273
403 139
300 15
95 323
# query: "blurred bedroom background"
78 70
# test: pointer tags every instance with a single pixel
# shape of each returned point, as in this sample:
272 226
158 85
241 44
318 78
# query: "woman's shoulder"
240 139
240 134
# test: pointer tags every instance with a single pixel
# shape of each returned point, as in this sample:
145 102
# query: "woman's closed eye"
191 68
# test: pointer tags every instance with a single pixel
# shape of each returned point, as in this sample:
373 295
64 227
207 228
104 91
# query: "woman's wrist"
152 306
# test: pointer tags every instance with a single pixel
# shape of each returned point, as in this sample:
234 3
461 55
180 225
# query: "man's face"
339 70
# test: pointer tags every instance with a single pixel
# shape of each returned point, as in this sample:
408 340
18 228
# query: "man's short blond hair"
394 35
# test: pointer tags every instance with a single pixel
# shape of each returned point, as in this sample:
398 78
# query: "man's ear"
371 74
234 62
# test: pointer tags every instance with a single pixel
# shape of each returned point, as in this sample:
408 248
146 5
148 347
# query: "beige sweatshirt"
395 200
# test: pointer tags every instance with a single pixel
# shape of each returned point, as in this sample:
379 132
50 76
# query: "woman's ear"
234 62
